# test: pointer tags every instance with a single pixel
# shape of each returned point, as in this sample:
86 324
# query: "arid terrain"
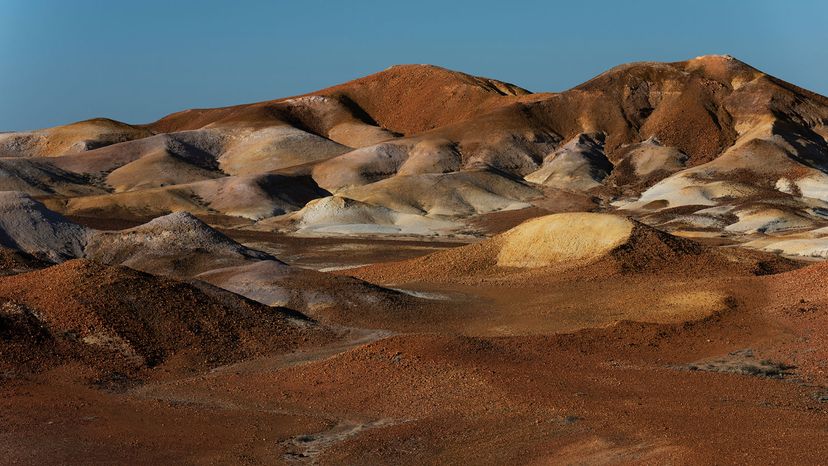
425 267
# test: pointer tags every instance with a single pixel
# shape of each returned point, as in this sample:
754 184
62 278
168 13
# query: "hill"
569 247
117 319
703 147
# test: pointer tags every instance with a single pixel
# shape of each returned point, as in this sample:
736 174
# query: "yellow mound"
570 238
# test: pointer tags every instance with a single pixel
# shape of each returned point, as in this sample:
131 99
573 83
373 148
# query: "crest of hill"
115 318
178 244
405 99
72 138
576 245
699 105
410 99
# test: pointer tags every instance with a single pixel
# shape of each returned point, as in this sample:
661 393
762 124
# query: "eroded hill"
705 147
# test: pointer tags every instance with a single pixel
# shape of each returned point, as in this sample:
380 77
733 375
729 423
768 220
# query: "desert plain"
426 267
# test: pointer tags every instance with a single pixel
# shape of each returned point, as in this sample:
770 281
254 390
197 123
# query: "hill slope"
706 146
115 318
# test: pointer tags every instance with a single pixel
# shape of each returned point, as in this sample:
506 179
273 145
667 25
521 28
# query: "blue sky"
135 61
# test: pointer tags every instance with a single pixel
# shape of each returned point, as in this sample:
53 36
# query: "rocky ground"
425 267
490 368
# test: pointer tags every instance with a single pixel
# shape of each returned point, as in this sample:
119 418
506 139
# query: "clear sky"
135 61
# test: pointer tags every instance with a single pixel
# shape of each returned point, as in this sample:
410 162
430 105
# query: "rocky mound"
362 166
258 196
643 164
160 169
338 215
579 165
447 195
572 246
116 318
276 148
28 226
328 298
564 240
182 246
177 244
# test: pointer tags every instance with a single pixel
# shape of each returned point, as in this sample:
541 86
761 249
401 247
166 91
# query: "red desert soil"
740 379
406 99
118 320
621 394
